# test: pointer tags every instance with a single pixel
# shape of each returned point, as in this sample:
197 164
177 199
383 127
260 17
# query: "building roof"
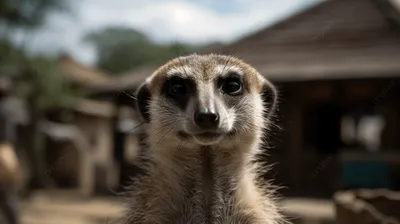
334 39
128 81
81 74
95 108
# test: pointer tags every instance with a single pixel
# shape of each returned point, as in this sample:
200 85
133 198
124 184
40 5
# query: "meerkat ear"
143 97
270 98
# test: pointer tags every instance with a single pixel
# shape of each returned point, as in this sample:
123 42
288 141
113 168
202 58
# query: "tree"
43 87
121 49
29 14
36 78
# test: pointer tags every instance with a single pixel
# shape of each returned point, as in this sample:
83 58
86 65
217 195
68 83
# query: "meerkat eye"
177 87
232 86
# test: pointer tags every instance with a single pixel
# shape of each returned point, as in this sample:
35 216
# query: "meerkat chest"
212 196
203 192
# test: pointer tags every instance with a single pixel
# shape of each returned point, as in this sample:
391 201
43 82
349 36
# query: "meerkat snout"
206 118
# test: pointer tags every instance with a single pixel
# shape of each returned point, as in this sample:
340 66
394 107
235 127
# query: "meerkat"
205 116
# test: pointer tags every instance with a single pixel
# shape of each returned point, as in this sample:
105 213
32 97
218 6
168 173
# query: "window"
362 130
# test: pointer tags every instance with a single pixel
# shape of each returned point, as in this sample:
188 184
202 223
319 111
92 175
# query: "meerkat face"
205 100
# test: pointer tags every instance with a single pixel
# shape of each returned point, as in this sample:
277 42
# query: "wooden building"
127 130
109 127
79 140
337 67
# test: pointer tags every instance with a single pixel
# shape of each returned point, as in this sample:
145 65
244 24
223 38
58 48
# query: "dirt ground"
67 208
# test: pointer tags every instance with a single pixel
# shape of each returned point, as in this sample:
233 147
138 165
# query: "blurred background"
70 132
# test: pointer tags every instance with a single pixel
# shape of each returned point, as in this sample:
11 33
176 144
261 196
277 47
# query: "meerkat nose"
206 119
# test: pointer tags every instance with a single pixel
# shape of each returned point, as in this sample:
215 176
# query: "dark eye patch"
179 90
232 84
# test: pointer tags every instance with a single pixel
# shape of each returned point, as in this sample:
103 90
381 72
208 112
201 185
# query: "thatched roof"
335 39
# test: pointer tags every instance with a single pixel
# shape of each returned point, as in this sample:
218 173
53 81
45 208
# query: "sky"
188 21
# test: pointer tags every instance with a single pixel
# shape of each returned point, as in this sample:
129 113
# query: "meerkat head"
205 100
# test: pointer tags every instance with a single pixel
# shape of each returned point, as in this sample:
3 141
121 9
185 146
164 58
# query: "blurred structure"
367 206
81 75
93 142
79 139
10 168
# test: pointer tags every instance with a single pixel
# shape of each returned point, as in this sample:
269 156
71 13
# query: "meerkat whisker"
137 126
129 95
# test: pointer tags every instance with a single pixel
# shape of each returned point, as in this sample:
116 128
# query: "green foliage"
36 78
122 49
42 78
10 58
29 13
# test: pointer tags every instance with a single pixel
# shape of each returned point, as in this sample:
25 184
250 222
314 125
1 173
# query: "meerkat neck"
217 169
231 159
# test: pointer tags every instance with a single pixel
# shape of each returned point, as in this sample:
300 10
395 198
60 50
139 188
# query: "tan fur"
185 176
10 172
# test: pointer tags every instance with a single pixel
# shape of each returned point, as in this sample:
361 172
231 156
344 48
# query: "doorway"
322 141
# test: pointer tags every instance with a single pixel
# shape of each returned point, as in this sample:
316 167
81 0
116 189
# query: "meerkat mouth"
204 135
200 135
208 135
205 138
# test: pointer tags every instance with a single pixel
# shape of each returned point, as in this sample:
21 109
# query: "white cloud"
161 20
